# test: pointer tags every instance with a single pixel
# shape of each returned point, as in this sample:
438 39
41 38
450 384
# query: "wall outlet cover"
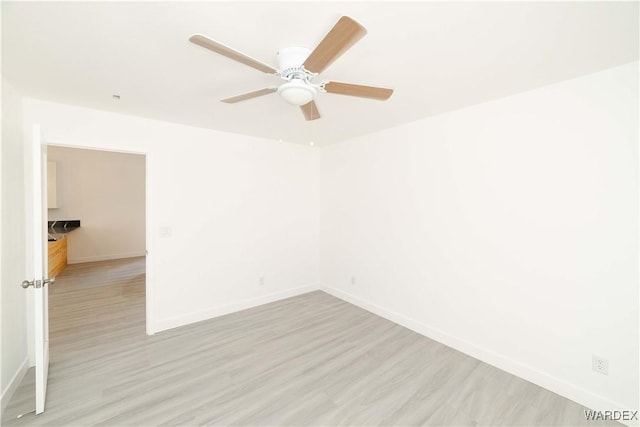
600 365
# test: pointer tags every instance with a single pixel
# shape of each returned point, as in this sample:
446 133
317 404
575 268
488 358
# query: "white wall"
106 192
508 230
239 208
14 330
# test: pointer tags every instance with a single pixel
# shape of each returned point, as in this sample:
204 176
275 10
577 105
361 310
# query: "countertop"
58 229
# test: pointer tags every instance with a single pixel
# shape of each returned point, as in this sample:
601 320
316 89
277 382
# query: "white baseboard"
11 388
104 257
174 322
529 373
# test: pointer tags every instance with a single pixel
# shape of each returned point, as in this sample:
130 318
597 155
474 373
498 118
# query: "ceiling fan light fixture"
297 92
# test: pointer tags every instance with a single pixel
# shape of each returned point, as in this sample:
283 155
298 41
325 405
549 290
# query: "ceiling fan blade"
342 36
372 92
310 111
230 53
249 95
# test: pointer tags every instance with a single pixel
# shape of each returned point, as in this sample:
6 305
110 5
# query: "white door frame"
149 294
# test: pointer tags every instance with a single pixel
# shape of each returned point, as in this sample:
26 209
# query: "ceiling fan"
299 66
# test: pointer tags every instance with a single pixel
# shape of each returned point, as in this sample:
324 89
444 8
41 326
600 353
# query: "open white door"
37 225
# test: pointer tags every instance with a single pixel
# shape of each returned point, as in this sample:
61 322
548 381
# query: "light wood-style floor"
307 360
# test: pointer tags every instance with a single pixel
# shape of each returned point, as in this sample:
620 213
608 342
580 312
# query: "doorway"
97 214
97 220
102 293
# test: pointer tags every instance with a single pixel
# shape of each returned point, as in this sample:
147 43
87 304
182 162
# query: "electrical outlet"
353 280
261 281
600 365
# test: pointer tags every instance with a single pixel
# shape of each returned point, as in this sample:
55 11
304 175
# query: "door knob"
38 283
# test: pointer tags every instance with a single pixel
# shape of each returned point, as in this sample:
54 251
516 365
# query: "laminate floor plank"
308 360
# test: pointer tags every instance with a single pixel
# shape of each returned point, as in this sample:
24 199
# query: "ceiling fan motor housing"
292 58
297 90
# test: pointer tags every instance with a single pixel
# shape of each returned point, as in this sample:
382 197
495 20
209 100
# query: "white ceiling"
439 56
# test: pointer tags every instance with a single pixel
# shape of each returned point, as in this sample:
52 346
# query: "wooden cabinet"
57 256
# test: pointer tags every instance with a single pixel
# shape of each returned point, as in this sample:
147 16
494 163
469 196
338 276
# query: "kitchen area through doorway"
97 252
